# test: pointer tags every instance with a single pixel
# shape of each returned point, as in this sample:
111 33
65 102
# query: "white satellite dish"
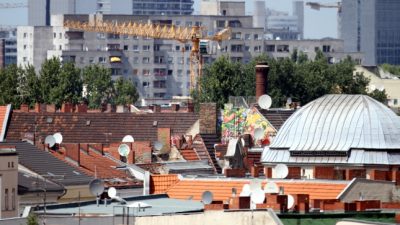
207 197
372 87
96 187
124 150
265 101
255 185
112 192
128 139
281 171
245 190
271 187
58 137
157 145
290 200
50 140
257 197
258 133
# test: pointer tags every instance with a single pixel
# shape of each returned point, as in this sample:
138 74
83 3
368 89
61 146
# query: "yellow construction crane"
157 31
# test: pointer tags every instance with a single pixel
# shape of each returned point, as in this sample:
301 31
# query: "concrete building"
40 11
372 27
159 68
8 46
8 182
222 7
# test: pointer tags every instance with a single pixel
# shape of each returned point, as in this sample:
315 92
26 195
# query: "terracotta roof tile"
160 183
222 189
98 127
275 116
189 154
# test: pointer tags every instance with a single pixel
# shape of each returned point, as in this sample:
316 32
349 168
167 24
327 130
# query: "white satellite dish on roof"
112 192
128 139
207 197
58 137
157 145
124 150
50 141
265 101
281 171
96 187
245 190
257 197
290 200
258 133
271 187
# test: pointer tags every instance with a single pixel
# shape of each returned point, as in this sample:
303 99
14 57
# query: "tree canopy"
297 77
59 82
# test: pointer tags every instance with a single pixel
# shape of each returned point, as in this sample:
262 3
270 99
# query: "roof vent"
49 120
88 122
155 123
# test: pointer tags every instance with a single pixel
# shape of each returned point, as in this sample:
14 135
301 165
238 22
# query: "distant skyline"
317 24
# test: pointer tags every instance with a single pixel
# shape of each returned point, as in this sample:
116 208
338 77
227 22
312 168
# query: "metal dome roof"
340 123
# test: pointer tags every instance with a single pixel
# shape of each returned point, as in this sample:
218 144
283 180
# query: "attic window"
49 119
88 122
155 123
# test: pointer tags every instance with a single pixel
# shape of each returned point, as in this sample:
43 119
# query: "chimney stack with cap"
262 70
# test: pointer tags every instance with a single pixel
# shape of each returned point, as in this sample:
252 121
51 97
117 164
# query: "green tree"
70 85
99 86
49 79
29 86
378 95
9 85
125 92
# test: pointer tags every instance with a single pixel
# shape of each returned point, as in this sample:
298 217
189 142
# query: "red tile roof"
189 154
98 127
222 189
160 183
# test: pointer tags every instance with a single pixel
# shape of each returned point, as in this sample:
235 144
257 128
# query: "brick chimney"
208 118
190 107
175 107
50 108
67 107
24 108
157 108
262 70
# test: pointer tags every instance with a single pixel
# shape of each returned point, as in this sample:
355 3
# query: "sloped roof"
276 116
29 183
98 127
222 188
340 123
45 164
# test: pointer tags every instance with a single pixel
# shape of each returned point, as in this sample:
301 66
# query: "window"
54 35
13 199
188 23
135 72
159 84
246 48
25 35
24 59
135 60
135 48
180 73
82 60
159 95
159 59
326 48
101 36
146 84
146 72
220 23
6 199
257 48
282 48
177 48
113 36
170 72
146 48
91 60
146 60
170 60
60 35
126 47
115 71
102 59
159 72
180 60
24 46
247 37
236 48
236 36
270 48
256 37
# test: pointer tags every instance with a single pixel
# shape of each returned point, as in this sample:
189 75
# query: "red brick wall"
142 151
72 151
321 172
208 118
356 174
380 175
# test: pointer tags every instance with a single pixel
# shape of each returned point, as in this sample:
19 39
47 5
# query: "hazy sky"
318 24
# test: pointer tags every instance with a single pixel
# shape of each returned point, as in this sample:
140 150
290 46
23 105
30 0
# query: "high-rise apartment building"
162 7
8 46
372 27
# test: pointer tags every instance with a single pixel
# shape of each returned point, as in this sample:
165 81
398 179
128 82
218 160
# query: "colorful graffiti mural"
238 121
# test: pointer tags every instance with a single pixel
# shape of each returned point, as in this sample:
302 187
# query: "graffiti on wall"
238 121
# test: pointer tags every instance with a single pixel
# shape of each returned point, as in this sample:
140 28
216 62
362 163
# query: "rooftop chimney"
262 70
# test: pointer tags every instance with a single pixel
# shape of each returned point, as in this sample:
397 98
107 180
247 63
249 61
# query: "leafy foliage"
98 83
125 92
32 219
395 70
297 77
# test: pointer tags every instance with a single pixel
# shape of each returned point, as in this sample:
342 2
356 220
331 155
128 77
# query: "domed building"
338 137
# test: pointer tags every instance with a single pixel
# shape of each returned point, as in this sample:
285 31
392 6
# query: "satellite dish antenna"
271 187
96 187
255 185
258 196
50 140
128 139
281 171
290 200
258 133
124 150
112 192
207 197
265 101
245 190
157 145
58 137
